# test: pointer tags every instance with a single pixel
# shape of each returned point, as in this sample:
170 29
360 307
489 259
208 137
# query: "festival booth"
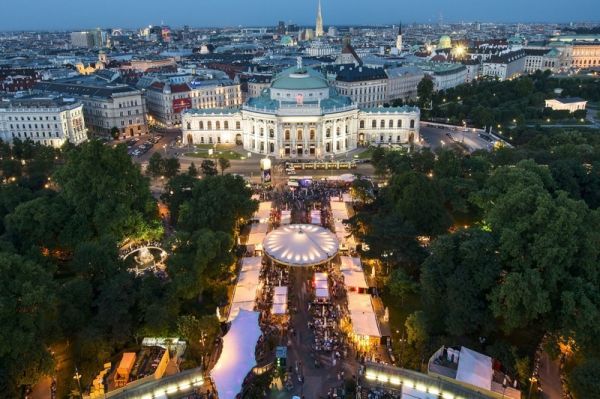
258 232
315 216
280 300
365 327
321 287
354 276
238 356
246 288
263 214
286 217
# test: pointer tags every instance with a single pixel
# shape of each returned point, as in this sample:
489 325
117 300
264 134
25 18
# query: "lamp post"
77 377
532 380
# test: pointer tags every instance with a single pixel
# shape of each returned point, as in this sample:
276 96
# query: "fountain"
144 259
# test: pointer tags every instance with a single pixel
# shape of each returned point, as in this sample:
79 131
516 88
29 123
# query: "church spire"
319 25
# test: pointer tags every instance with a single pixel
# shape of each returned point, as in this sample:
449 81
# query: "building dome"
299 79
445 42
287 41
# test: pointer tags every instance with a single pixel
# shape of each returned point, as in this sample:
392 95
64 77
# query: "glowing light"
395 381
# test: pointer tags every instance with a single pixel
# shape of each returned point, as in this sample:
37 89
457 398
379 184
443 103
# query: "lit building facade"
301 116
50 121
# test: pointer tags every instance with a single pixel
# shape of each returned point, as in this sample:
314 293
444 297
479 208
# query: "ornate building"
319 25
301 116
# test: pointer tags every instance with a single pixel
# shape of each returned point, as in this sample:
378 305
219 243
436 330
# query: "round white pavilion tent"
301 245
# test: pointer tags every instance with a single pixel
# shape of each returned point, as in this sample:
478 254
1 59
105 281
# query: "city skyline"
62 15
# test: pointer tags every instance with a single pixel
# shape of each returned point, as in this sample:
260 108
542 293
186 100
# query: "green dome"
287 41
299 79
445 42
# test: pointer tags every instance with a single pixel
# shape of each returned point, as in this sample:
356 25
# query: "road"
436 138
431 137
550 377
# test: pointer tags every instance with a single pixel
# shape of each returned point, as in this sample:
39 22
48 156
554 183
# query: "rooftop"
299 79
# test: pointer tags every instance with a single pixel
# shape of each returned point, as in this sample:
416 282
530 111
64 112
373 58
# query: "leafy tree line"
507 103
65 215
513 252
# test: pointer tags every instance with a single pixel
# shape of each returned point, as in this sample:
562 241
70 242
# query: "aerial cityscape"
300 200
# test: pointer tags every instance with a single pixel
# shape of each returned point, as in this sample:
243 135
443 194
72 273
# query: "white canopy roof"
321 285
286 217
362 315
301 245
251 263
244 294
264 211
280 295
237 358
315 216
474 368
353 273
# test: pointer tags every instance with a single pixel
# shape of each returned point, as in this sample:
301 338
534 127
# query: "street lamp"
77 377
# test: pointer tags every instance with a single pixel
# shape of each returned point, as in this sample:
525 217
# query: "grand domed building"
301 116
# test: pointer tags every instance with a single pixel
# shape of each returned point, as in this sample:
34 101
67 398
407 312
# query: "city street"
436 138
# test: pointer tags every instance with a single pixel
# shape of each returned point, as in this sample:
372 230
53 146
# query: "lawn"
221 151
366 154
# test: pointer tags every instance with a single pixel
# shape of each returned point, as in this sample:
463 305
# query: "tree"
584 379
419 200
177 191
362 190
27 316
224 164
401 284
192 170
416 329
171 167
547 248
155 166
425 92
217 203
208 167
106 194
466 259
114 132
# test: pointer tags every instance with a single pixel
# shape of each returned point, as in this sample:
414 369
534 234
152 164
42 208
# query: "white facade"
445 76
566 104
506 66
166 101
48 121
300 116
402 83
365 93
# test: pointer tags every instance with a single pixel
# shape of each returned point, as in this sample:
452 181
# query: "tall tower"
399 39
319 26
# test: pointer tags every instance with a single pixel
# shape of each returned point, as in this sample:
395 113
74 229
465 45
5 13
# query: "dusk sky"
72 14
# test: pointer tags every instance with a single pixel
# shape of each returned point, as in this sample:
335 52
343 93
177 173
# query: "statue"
299 62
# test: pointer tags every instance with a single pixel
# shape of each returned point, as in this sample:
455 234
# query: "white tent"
238 355
346 197
264 212
258 232
251 263
353 273
244 294
362 315
321 285
280 296
301 245
286 217
315 216
475 368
